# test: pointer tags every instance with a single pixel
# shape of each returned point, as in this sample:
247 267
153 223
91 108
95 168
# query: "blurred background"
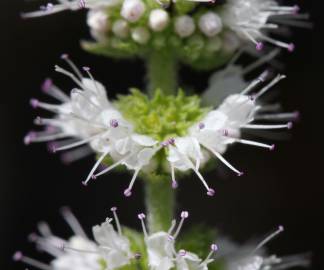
282 187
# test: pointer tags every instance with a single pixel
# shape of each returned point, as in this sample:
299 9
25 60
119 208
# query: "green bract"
162 116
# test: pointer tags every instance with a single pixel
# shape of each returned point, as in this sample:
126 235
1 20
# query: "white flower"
63 5
247 258
251 18
132 10
110 247
223 127
161 251
88 116
210 24
184 26
158 19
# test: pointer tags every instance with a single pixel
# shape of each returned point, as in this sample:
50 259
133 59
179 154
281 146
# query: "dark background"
281 187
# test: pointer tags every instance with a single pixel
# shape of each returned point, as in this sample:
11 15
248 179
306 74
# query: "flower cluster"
134 129
203 35
114 249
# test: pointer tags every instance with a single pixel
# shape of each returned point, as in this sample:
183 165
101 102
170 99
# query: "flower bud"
158 19
120 28
132 10
98 20
141 35
210 24
184 26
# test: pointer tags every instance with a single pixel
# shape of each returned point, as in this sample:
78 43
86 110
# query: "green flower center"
162 116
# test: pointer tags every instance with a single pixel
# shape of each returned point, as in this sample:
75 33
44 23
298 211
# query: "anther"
259 46
137 256
211 192
272 147
291 47
114 123
214 247
182 252
47 85
201 125
174 184
127 192
184 214
290 125
141 216
34 103
17 256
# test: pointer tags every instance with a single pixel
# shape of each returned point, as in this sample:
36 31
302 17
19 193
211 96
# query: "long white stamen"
258 144
278 116
288 125
33 137
18 256
113 165
50 89
173 224
69 74
73 222
44 229
269 238
213 249
46 106
254 83
270 85
222 159
65 247
66 58
141 217
114 210
174 183
76 154
87 70
184 215
128 191
78 143
94 168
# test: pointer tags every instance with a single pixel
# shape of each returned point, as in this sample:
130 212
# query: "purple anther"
141 216
240 174
86 68
211 192
114 123
184 214
296 9
214 247
174 184
182 252
84 183
113 209
64 56
272 147
259 46
290 125
127 192
137 256
291 47
281 228
47 85
171 141
17 256
201 125
34 103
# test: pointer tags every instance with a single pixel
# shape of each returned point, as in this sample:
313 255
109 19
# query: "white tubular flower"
132 10
210 24
184 26
63 5
97 20
249 19
222 127
161 249
140 34
158 20
256 259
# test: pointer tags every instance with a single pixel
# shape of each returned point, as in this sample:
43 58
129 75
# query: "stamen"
248 142
182 252
173 224
73 222
114 210
114 123
35 103
213 249
254 83
184 215
141 217
50 89
65 247
69 74
94 168
269 238
18 256
128 191
222 159
288 126
279 116
270 85
67 59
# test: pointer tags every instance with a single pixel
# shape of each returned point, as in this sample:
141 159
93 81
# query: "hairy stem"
162 72
160 202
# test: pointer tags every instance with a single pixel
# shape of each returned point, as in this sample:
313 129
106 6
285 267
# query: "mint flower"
79 252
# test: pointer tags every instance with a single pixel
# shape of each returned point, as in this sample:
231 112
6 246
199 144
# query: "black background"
281 187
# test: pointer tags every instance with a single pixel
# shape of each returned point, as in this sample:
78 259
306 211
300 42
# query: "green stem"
162 72
160 201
